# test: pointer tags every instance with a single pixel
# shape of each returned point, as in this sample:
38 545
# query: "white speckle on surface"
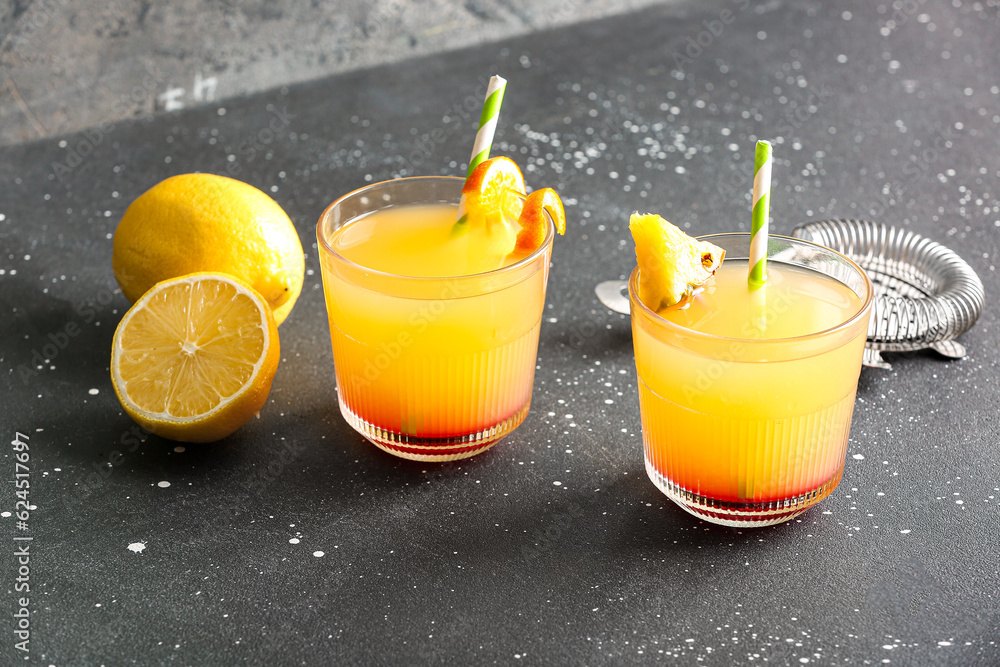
858 457
294 540
944 643
94 391
163 485
137 547
557 483
905 531
318 554
179 449
5 514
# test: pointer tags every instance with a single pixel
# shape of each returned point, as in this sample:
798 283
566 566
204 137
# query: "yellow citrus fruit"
203 222
532 219
194 358
672 265
494 190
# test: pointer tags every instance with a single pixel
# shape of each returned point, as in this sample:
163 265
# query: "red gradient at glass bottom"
744 472
419 448
436 407
741 515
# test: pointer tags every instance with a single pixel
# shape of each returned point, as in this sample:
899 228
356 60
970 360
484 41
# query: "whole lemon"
203 222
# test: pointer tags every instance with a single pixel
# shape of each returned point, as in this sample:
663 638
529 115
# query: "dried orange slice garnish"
532 219
672 265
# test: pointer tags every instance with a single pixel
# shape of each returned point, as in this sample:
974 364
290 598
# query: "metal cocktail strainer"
925 294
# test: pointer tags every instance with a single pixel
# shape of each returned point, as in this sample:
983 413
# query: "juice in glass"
746 397
434 346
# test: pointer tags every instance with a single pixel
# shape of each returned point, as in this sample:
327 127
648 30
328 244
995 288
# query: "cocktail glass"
743 431
431 369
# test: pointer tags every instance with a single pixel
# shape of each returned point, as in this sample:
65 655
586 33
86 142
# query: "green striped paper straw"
761 204
484 139
487 122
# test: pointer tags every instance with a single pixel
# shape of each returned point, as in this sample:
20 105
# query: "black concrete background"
553 547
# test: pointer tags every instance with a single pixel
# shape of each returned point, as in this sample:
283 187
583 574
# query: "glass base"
418 448
742 515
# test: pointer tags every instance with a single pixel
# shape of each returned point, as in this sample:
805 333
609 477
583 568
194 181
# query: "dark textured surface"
553 547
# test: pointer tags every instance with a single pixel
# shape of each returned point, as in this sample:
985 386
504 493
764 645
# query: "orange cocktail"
434 346
746 398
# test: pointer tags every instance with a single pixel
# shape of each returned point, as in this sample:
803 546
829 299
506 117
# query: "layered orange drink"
746 394
434 311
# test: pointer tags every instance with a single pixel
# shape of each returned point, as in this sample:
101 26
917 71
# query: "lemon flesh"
194 358
672 265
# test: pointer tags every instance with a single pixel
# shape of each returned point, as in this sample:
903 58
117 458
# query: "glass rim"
324 244
693 333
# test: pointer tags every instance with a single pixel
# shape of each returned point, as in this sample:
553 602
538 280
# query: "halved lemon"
672 265
194 358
